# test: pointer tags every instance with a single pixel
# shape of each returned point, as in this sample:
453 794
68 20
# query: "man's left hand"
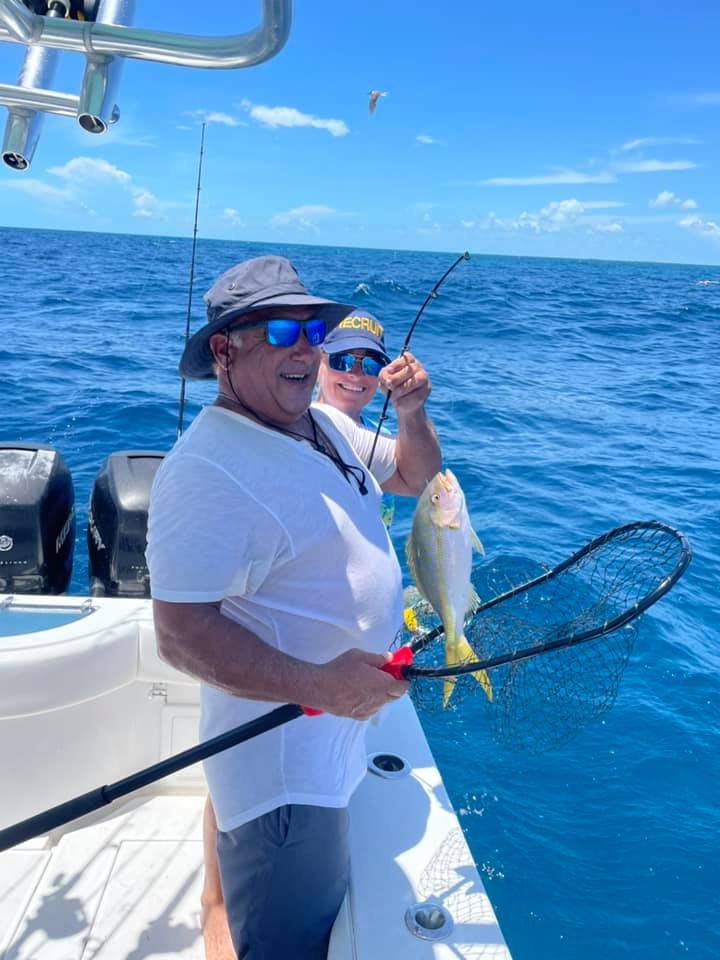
408 382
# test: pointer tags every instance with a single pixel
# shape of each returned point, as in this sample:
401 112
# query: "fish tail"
460 651
465 654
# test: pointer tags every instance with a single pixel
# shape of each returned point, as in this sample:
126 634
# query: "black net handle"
569 640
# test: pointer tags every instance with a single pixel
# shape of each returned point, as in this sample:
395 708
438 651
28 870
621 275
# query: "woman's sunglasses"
344 363
286 333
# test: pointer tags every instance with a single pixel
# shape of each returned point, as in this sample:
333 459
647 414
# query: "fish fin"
466 654
410 557
477 545
474 601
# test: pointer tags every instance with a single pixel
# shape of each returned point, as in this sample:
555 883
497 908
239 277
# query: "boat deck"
127 886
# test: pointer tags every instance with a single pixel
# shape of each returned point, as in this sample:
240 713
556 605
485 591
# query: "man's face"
276 382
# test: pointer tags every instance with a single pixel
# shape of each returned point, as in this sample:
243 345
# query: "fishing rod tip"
466 255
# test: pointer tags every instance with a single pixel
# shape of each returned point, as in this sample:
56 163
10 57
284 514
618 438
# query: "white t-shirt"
363 444
243 514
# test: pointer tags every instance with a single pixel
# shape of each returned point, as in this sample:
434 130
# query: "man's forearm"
417 451
198 640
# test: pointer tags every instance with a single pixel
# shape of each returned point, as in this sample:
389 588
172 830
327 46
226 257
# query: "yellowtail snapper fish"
439 555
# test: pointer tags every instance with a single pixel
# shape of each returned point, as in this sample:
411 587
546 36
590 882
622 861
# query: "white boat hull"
89 702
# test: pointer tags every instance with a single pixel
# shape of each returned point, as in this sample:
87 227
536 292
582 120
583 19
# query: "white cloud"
233 217
82 169
560 177
666 198
658 142
215 116
182 126
423 138
290 117
145 203
84 177
708 228
305 217
655 166
556 217
560 211
223 118
38 189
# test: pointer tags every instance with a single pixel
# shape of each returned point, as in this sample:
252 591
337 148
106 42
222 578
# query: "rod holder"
22 130
101 79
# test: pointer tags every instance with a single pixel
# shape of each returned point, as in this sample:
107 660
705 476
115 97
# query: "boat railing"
105 41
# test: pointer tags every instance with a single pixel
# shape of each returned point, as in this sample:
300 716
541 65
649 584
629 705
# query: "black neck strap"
322 446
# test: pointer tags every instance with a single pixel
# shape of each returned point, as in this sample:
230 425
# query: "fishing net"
555 645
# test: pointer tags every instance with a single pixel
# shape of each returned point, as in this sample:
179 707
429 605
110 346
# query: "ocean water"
569 396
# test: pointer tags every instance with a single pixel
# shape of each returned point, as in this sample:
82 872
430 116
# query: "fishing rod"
431 296
181 403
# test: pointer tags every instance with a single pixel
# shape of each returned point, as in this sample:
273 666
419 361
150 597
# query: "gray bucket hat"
244 289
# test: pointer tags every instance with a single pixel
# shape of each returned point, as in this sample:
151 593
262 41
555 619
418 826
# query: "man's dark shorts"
284 876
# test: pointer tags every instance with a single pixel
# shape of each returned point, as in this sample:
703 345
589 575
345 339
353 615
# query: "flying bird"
374 97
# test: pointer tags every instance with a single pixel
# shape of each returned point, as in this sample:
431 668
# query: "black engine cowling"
117 524
37 519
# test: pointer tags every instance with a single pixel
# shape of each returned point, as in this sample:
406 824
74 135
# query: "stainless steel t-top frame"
105 40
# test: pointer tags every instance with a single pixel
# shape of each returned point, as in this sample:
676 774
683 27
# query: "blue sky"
556 129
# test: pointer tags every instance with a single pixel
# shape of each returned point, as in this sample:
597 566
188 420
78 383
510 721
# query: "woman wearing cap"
273 581
353 356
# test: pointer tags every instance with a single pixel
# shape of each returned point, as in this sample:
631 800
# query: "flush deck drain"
429 921
388 765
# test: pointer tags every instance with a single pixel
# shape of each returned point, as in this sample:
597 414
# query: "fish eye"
435 498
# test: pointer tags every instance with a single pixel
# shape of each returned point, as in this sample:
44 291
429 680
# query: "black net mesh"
542 701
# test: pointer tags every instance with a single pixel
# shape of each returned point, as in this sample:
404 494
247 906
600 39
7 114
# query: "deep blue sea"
570 396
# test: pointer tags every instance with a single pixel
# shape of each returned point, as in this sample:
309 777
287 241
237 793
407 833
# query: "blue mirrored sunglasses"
283 332
344 363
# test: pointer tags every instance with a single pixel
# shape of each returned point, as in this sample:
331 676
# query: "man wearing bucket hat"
274 581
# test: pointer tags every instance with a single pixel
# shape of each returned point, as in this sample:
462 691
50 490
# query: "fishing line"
431 296
181 403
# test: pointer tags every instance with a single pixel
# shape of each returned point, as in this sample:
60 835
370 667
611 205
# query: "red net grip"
400 659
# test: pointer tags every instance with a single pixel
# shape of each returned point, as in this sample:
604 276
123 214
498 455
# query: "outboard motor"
37 519
117 524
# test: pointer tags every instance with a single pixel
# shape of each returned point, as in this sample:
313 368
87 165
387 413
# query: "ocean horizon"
326 246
